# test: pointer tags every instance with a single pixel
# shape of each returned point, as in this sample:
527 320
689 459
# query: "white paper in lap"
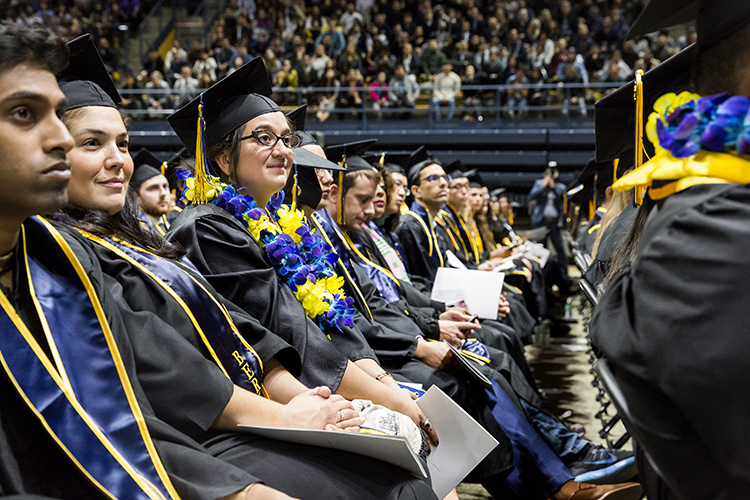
463 442
480 290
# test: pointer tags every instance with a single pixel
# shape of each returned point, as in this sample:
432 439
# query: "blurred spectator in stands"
568 19
462 57
663 49
573 96
308 77
238 63
230 25
538 94
242 54
403 91
445 87
175 58
204 80
379 94
288 79
628 53
132 14
258 45
336 35
385 62
263 23
328 96
594 21
273 65
224 55
187 84
581 40
472 97
206 64
533 30
350 95
109 56
481 56
607 35
315 22
320 59
542 52
516 47
494 70
349 59
432 60
153 62
517 94
247 5
160 99
349 17
619 22
594 61
622 73
418 39
244 27
132 101
409 60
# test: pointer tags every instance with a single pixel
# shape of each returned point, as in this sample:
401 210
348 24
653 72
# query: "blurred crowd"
385 53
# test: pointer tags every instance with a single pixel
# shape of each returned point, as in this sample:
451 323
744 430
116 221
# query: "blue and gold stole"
422 217
229 350
159 225
82 395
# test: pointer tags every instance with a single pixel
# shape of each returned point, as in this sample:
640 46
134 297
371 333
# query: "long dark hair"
625 253
124 225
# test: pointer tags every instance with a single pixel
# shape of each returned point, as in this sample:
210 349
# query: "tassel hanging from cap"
382 159
340 218
615 164
201 176
163 168
294 189
639 148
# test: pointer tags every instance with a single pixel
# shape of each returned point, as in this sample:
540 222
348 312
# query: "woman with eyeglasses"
205 366
262 256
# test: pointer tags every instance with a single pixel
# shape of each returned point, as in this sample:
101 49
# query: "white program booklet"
479 290
392 449
463 442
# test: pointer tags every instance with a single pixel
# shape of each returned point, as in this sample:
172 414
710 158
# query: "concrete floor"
562 372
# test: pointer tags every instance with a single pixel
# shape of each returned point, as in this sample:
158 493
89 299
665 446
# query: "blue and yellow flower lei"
300 256
686 123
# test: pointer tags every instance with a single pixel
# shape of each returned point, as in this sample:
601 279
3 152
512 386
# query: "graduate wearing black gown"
185 378
674 325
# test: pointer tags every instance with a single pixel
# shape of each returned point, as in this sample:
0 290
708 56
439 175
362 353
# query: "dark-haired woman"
205 366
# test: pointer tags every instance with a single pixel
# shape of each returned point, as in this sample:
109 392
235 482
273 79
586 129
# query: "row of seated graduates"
613 250
111 254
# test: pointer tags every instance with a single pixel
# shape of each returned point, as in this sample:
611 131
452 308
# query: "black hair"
35 46
722 67
124 225
625 253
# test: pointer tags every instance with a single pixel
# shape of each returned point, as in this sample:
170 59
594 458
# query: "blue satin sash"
229 350
83 395
153 225
476 351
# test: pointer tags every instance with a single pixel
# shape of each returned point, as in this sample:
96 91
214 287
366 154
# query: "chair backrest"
588 291
616 395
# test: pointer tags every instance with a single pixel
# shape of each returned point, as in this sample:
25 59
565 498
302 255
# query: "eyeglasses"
321 172
461 187
436 178
269 139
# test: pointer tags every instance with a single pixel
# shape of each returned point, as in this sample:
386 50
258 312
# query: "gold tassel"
565 202
294 189
164 168
592 209
638 160
201 177
510 215
382 159
340 219
616 163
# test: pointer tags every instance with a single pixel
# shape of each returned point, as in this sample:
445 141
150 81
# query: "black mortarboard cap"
615 113
297 117
227 105
715 19
308 185
85 82
145 166
351 153
455 169
399 163
497 192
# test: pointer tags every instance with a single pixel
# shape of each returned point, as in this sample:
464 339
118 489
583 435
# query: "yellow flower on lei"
313 298
290 220
210 187
663 106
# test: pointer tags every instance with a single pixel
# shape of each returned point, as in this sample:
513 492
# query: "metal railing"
491 102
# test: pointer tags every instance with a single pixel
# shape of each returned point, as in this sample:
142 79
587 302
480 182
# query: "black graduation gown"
236 265
187 393
613 236
417 244
38 466
674 327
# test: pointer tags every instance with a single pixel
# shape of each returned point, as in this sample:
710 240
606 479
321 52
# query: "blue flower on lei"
718 123
300 256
